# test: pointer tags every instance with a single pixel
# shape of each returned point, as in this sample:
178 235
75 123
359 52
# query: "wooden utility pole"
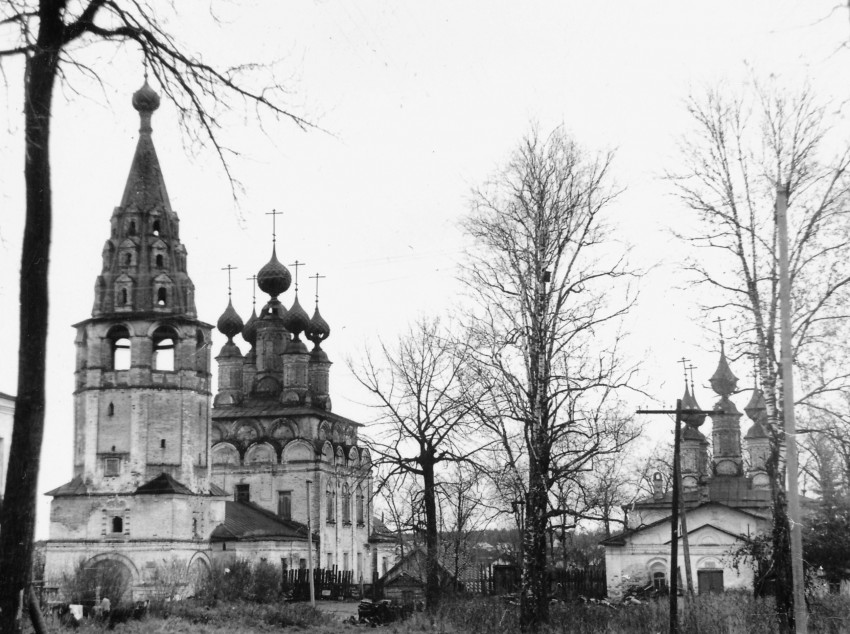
797 579
674 517
310 547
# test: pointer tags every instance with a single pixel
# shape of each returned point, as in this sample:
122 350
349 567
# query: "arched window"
161 296
117 524
110 411
346 504
128 259
163 350
160 260
119 343
156 227
131 229
330 498
124 297
359 506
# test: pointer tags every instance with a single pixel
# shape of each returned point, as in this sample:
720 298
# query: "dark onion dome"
723 382
296 319
690 403
145 99
756 409
230 323
249 331
274 278
755 432
318 329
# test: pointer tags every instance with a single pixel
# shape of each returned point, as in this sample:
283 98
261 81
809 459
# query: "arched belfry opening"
119 348
164 343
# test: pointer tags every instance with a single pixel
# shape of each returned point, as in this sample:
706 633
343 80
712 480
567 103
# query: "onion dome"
230 323
690 403
756 409
296 319
755 432
723 382
145 99
318 329
249 331
274 278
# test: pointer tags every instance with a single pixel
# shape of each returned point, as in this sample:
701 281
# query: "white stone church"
727 501
159 474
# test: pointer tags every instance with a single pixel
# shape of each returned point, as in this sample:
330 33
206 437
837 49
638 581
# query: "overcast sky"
417 104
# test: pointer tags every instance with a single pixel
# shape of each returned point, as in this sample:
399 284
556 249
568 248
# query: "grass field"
729 613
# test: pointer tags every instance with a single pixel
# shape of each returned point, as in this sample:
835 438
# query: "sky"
415 104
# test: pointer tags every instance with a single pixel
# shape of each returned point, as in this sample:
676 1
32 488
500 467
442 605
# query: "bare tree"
549 286
49 36
426 405
742 149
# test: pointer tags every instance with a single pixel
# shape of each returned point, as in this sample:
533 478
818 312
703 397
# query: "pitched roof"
163 484
217 490
733 491
619 539
245 521
74 487
258 409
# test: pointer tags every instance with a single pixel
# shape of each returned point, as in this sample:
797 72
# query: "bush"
239 580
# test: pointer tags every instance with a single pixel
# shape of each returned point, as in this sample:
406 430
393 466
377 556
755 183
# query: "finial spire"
296 264
228 268
254 290
684 363
317 277
691 369
719 321
273 213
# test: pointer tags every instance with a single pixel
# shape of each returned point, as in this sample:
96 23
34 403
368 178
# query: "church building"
162 471
726 501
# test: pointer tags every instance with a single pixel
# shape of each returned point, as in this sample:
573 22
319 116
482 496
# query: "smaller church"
163 471
726 500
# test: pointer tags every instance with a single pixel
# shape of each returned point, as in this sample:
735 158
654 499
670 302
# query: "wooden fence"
564 584
328 583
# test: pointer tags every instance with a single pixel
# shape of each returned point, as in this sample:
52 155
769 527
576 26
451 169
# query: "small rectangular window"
284 505
243 493
162 444
112 466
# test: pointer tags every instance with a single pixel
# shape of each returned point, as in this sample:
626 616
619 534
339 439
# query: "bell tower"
142 390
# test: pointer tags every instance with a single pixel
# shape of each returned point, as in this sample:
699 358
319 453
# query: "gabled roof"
381 534
245 521
74 487
715 527
619 539
163 484
414 571
732 491
217 490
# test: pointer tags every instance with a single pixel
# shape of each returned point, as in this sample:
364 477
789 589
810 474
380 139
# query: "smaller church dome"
230 323
274 278
691 419
145 98
756 409
756 432
296 320
318 329
723 382
249 331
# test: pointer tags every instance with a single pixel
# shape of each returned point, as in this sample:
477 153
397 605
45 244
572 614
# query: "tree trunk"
534 600
432 576
19 504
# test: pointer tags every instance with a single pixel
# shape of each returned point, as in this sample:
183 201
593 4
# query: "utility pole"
310 548
797 579
674 517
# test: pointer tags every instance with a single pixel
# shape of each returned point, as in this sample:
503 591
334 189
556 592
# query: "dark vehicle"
377 612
